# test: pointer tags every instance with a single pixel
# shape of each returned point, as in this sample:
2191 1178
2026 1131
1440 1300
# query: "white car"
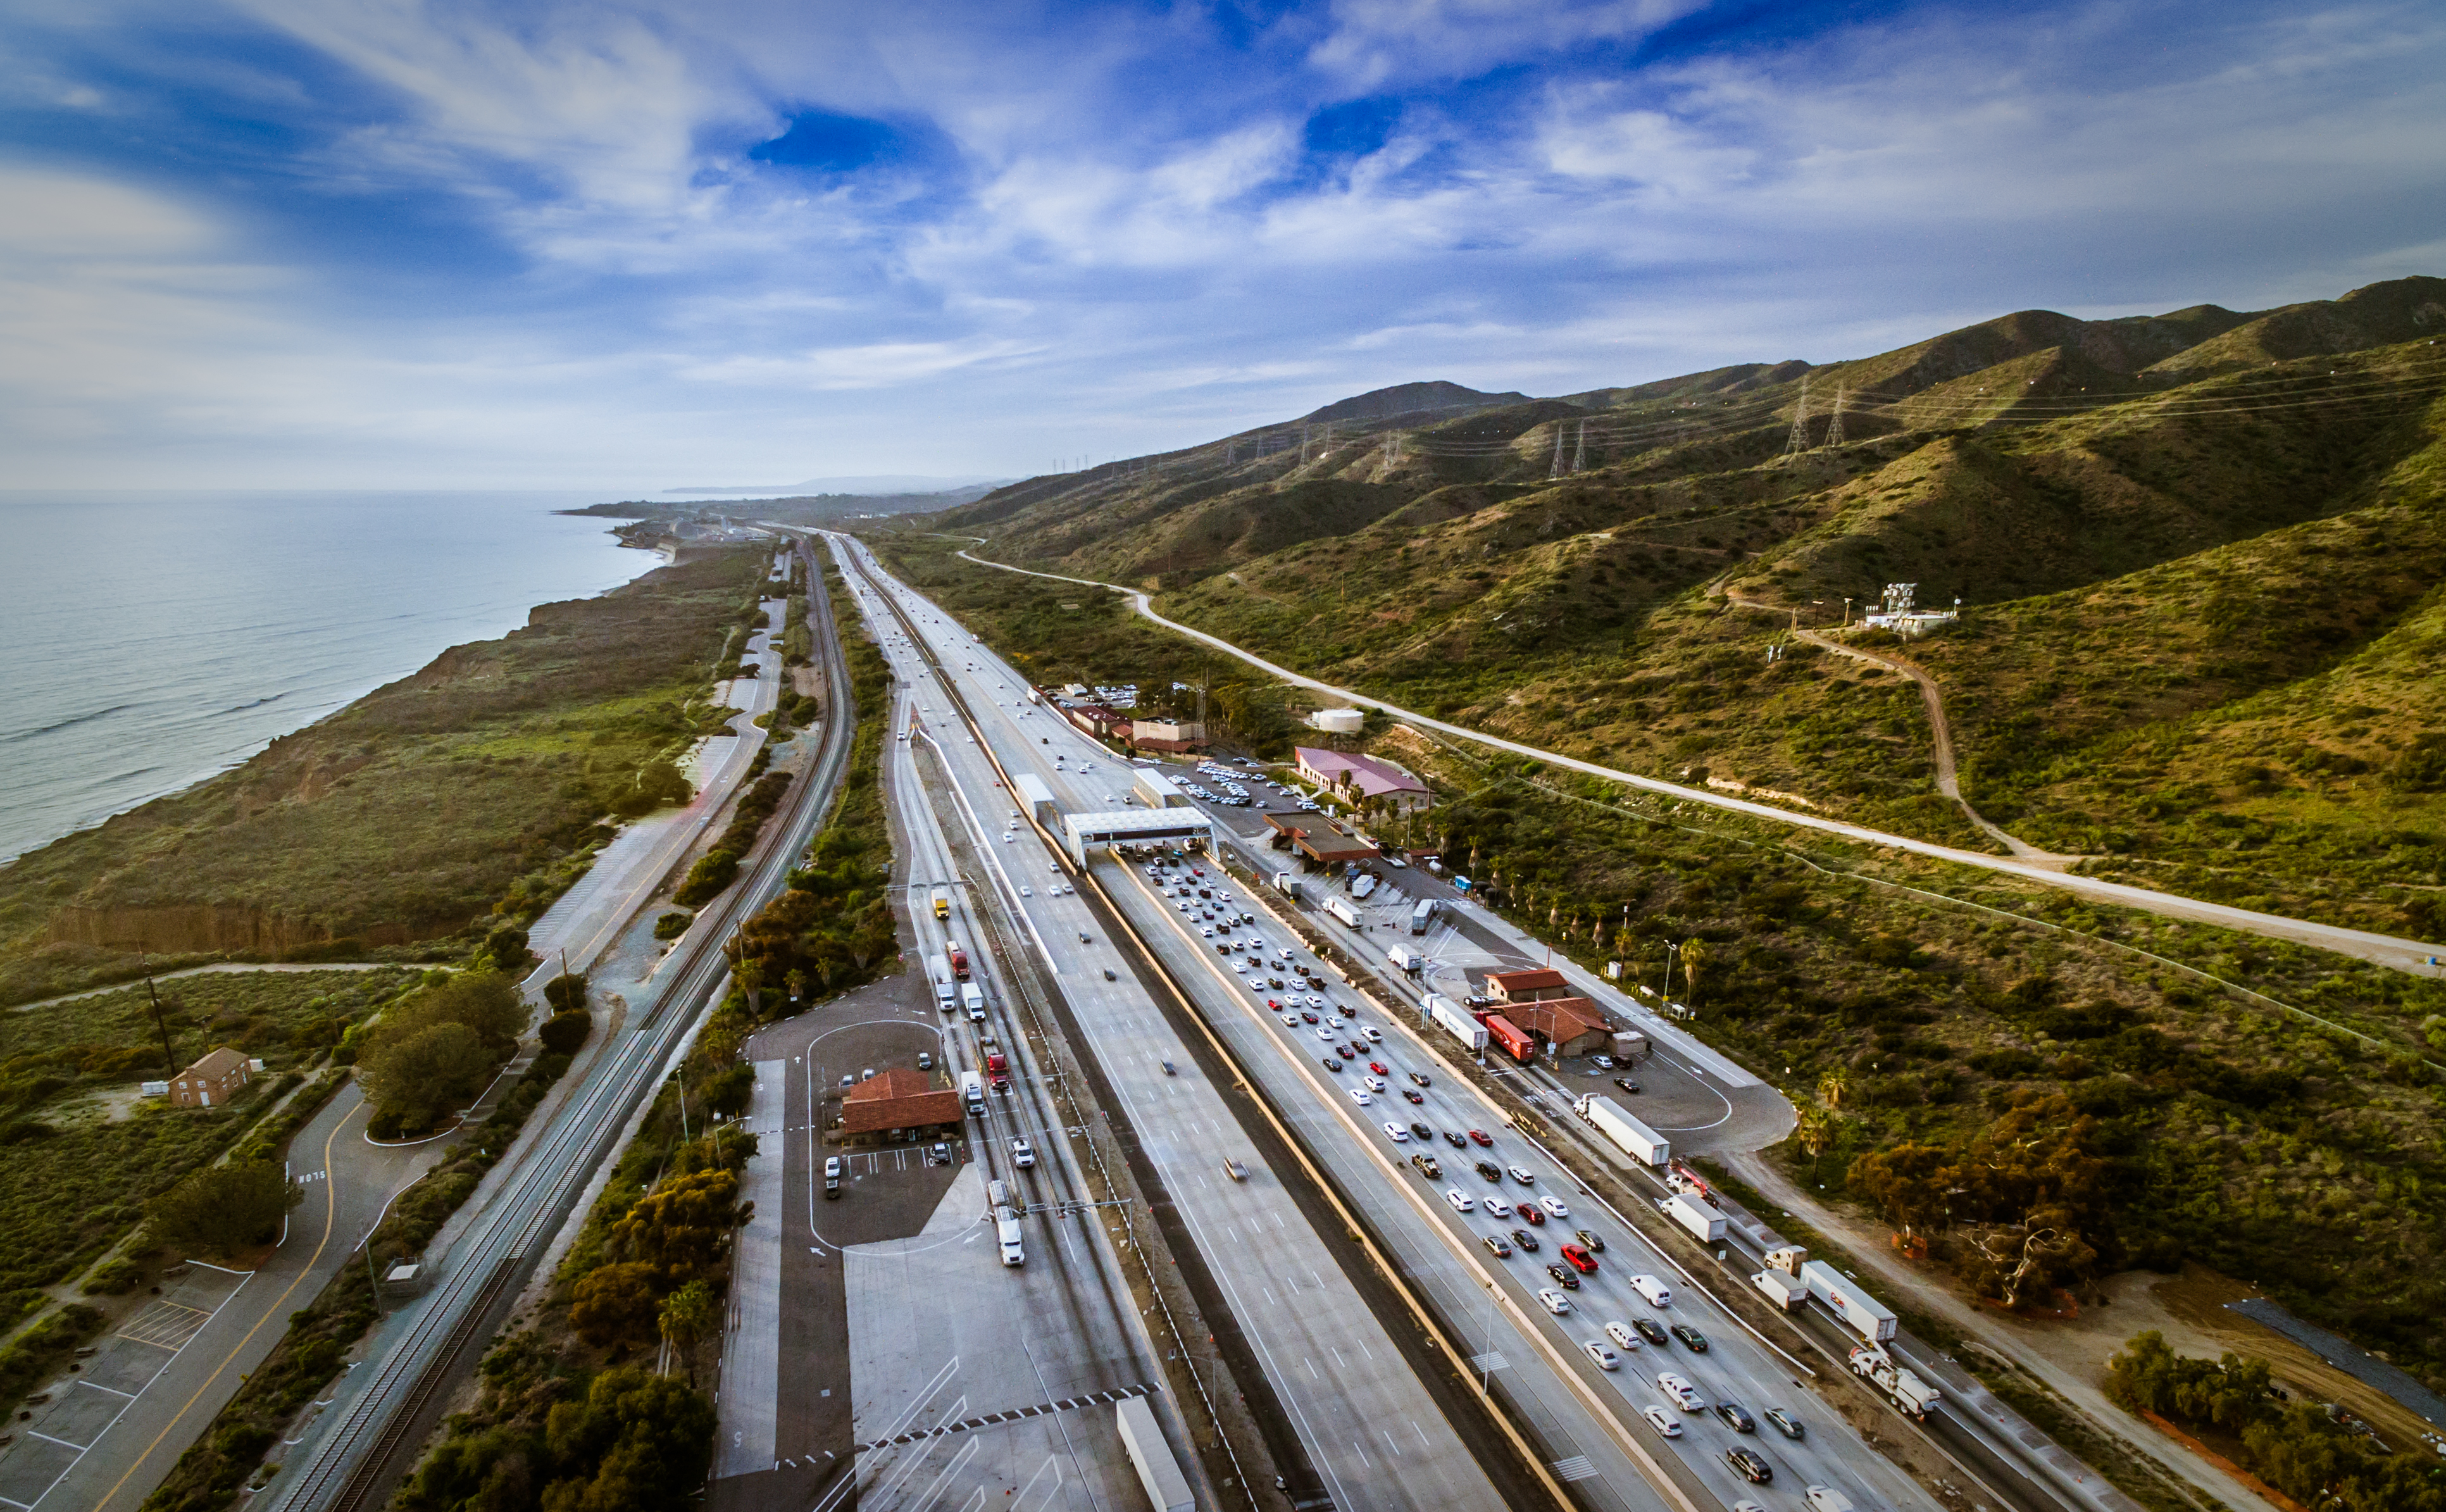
1375 1035
1291 1020
1023 1154
1607 1359
1661 1423
1240 968
1554 1206
1375 1084
1553 1301
1521 1174
1327 1035
1497 1207
1826 1499
1397 1134
1460 1200
1028 892
1361 1096
1685 1395
1657 1292
1620 1332
1328 1018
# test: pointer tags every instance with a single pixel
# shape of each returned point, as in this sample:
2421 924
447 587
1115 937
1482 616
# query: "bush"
616 1303
225 1208
672 925
650 1437
564 1032
113 1279
566 993
505 950
415 1081
713 872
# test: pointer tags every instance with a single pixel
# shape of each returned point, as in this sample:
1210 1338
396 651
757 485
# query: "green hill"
2176 539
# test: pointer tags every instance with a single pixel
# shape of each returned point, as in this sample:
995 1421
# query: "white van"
1657 1292
1826 1499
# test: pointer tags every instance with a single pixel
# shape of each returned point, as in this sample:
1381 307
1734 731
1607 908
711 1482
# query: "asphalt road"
1371 1433
359 1446
107 1439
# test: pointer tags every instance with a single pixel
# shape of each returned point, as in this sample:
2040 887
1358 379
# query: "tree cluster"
2294 1447
2020 1210
432 1052
223 1209
719 867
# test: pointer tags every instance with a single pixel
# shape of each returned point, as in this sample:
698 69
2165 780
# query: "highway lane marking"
330 1215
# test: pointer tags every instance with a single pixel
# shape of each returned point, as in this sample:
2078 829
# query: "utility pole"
169 1057
1798 441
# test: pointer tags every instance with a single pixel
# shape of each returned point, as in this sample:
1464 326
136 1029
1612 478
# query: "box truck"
942 902
1286 883
1342 909
1781 1288
973 1093
946 996
1634 1138
1423 914
1704 1224
1463 1025
1862 1314
972 998
1363 884
1405 958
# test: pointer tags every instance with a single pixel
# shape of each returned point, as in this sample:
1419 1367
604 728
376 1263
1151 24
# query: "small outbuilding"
212 1081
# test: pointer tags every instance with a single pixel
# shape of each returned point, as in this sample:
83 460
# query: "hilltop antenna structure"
1834 426
1798 441
1580 449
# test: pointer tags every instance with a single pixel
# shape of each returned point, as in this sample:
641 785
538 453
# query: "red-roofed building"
1527 987
1098 721
212 1081
1362 778
897 1101
1573 1025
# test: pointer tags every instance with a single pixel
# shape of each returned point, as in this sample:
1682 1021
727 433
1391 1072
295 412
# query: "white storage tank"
1338 721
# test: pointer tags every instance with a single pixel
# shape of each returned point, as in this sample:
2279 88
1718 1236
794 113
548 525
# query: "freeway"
2422 959
1551 1384
1366 1432
352 1454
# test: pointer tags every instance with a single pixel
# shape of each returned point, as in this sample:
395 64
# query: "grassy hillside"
461 794
2174 564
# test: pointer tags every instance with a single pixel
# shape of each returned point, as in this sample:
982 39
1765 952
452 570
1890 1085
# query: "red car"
1378 1067
1531 1215
1579 1260
1479 1135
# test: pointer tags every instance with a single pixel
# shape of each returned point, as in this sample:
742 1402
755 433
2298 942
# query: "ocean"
149 640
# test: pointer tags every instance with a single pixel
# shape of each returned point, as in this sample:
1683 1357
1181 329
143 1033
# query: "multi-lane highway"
1587 1419
1369 1433
356 1446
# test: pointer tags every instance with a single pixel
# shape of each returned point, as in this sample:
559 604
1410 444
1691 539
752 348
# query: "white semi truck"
1703 1222
1406 959
1636 1139
1862 1314
973 1093
1006 1231
1883 1372
1167 1489
1458 1021
1423 914
1342 909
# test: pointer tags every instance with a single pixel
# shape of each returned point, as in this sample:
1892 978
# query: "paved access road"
108 1437
1371 1434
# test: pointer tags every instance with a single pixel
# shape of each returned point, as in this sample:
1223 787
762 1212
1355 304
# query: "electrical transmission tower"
1834 426
1580 449
1557 470
1799 440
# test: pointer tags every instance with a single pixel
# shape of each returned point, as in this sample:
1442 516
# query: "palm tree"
1831 1088
688 1315
1694 962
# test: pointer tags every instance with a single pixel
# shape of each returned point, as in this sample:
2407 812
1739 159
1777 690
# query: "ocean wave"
69 722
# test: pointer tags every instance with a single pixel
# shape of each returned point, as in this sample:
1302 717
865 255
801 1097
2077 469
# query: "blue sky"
637 245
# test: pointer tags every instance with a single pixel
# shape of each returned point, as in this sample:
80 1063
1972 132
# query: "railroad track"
349 1463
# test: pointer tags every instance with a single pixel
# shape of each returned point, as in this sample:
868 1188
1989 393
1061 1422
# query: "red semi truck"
998 1067
1515 1040
959 959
